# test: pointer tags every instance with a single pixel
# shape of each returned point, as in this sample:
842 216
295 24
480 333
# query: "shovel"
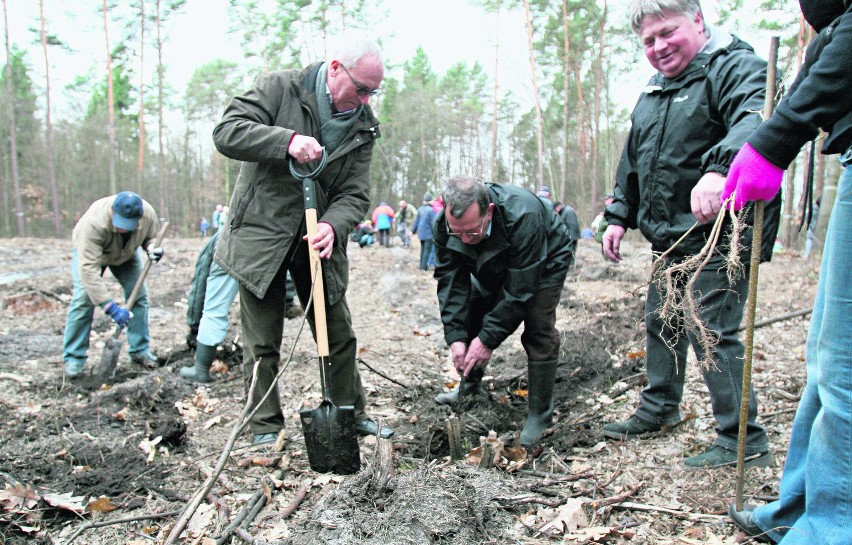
109 358
329 431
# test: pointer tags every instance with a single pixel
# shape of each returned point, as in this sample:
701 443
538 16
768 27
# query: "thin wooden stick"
103 523
756 242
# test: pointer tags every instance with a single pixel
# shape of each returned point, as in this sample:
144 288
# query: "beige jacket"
99 245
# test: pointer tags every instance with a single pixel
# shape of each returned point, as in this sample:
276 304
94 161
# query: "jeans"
218 298
404 233
815 502
720 307
78 324
427 247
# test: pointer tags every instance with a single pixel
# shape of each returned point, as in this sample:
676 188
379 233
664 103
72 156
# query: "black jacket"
528 249
682 128
821 96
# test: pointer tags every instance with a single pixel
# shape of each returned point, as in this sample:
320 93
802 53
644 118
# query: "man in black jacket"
688 124
501 259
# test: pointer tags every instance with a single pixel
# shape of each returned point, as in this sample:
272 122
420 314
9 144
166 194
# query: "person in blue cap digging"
110 235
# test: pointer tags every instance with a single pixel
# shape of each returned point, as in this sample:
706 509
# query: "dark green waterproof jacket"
198 286
527 250
267 206
683 128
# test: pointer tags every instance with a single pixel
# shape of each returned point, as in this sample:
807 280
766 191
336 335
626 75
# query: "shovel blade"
109 359
331 439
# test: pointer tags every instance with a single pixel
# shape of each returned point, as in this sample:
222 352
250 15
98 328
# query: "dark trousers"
384 237
425 250
720 307
540 338
262 326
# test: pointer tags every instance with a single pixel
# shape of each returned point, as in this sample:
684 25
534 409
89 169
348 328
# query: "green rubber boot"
200 372
541 378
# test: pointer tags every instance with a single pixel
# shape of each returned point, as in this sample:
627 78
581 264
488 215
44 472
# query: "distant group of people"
220 217
501 254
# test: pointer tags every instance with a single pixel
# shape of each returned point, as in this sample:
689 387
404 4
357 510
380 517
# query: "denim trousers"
720 308
78 324
218 298
815 502
427 247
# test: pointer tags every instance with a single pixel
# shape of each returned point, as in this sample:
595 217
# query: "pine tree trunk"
20 218
113 188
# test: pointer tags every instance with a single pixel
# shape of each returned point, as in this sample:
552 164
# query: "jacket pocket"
242 205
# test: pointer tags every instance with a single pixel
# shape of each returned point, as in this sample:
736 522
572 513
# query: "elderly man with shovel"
501 258
108 236
320 112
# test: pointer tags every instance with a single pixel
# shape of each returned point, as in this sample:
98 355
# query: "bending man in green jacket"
501 258
291 115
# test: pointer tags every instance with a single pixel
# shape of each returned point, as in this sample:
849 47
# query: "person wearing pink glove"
815 500
688 124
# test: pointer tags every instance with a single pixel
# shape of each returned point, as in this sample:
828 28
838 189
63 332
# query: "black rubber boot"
200 372
541 378
472 387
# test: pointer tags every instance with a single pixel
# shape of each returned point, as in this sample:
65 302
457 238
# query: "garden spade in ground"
330 436
109 358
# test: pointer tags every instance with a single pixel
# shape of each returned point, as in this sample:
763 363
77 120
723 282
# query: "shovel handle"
141 280
318 286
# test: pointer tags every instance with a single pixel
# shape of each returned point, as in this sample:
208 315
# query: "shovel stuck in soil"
109 358
329 430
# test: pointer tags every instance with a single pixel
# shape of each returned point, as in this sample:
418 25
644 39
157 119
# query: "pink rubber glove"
752 177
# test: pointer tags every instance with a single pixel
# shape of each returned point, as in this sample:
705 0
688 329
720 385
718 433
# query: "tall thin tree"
538 114
48 127
20 218
140 162
113 188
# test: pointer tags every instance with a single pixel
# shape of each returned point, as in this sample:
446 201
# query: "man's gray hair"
644 8
462 191
351 47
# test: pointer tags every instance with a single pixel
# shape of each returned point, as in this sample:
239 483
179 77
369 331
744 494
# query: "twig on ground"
384 376
632 489
102 523
781 318
674 512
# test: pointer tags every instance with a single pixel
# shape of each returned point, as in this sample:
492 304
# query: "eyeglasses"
360 89
469 234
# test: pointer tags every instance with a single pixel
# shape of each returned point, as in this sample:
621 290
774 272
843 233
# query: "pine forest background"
127 128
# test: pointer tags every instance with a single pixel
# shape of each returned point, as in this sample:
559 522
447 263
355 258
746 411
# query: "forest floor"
78 454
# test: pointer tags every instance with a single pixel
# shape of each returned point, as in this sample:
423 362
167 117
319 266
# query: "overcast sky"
448 31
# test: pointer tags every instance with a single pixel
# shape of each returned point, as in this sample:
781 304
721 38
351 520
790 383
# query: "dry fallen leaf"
18 498
570 518
101 505
66 501
212 422
121 415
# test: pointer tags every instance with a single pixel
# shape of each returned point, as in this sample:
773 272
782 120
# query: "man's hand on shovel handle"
323 241
118 313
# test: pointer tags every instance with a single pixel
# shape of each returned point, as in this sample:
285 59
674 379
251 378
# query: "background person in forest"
299 115
423 229
383 217
108 235
687 125
404 220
